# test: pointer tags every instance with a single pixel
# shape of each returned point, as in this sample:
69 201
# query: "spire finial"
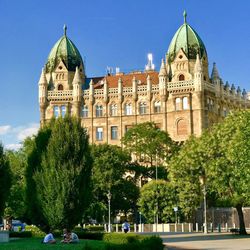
185 16
65 29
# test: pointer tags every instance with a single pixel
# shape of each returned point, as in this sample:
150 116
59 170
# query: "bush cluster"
135 242
24 234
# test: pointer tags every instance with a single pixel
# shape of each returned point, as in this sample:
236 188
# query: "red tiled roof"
112 80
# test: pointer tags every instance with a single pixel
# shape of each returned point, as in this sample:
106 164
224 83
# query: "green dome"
187 39
64 50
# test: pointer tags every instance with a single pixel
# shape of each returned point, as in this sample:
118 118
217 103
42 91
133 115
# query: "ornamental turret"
198 74
43 93
149 88
77 92
163 78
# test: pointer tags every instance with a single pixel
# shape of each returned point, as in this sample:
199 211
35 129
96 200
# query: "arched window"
60 87
56 111
142 108
185 102
63 111
157 107
128 109
182 127
181 77
99 111
178 103
113 109
85 111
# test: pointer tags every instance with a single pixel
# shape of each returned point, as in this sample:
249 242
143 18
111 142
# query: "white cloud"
5 129
24 132
13 146
12 137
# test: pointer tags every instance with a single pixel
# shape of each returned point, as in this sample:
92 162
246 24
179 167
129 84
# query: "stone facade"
181 98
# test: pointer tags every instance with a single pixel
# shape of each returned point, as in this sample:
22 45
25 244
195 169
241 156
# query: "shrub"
35 231
132 242
93 228
24 234
90 235
119 238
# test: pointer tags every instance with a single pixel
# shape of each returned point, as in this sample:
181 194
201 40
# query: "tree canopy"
111 164
15 204
158 197
223 156
61 172
148 143
5 179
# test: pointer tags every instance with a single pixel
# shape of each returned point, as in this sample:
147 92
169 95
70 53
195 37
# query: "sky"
110 33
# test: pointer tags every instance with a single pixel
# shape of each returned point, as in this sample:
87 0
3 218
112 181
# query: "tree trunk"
241 219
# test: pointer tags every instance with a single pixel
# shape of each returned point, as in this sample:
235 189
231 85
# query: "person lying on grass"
69 237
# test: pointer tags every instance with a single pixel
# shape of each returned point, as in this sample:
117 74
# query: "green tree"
158 197
62 174
15 205
5 179
151 146
185 168
223 156
111 164
34 148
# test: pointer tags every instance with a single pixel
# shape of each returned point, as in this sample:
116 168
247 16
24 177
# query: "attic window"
181 77
60 87
180 56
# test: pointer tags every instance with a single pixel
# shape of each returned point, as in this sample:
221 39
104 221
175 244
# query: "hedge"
22 234
146 243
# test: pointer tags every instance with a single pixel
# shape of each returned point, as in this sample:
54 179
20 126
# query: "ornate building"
182 98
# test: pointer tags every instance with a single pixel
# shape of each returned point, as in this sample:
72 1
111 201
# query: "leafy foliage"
223 156
59 169
158 197
149 144
110 166
63 180
15 204
5 179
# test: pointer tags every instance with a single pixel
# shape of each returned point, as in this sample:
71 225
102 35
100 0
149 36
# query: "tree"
34 148
62 174
185 168
223 156
15 204
151 146
158 197
229 172
5 179
111 164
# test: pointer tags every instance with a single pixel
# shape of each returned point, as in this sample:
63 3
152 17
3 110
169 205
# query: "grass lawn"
35 244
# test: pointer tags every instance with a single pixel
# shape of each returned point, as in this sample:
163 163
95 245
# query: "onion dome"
64 50
187 39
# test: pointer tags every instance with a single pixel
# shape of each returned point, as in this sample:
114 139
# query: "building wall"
185 109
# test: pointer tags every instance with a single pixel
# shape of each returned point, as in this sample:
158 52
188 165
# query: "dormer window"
60 87
181 77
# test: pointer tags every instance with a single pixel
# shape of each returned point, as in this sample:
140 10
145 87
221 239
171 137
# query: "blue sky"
108 33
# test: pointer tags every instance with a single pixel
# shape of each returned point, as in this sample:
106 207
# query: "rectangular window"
114 133
63 111
56 111
85 111
99 133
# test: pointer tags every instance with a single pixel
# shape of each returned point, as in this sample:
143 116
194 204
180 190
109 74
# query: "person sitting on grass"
49 238
69 237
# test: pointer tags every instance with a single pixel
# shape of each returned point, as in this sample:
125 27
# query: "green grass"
35 244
